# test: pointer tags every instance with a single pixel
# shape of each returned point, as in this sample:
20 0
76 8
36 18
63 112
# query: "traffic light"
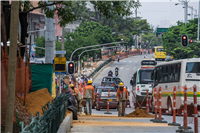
191 41
162 34
71 67
184 40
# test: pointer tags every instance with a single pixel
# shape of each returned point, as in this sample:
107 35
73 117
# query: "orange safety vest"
121 92
89 92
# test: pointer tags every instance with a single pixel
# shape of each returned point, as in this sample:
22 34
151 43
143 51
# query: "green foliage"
40 42
172 40
103 34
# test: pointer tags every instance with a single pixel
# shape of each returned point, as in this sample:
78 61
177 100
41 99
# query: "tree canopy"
172 40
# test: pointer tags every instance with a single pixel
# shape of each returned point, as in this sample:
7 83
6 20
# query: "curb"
65 126
102 69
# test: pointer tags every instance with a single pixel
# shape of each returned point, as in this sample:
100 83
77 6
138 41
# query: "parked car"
111 81
98 91
102 98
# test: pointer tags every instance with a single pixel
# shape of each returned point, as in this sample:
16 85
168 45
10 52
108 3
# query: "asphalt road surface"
103 123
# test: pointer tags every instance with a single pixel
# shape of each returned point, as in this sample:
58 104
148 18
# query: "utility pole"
136 13
198 22
49 38
186 10
12 66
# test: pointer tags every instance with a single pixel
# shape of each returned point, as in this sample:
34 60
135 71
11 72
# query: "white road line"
124 61
121 67
130 61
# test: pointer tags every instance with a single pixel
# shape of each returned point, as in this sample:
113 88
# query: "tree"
65 11
40 42
172 40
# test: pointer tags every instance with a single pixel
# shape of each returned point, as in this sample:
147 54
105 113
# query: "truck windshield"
160 50
193 67
145 76
148 62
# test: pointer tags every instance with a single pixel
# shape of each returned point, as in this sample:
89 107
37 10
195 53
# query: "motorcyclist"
110 73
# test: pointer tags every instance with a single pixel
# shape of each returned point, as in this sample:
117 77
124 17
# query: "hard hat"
89 81
121 84
71 85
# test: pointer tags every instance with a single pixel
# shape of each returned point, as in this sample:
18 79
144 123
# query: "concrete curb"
65 126
102 69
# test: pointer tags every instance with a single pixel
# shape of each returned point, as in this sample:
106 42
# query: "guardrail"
53 115
102 65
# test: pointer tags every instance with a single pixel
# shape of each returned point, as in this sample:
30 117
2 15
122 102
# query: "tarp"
42 75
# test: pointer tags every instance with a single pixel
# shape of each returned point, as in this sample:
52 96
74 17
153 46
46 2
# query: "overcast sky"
156 10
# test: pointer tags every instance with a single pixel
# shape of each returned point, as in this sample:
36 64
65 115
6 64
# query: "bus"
177 73
148 63
159 53
141 81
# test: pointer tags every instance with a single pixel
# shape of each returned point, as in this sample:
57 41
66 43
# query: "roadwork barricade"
160 119
155 97
108 103
174 110
147 102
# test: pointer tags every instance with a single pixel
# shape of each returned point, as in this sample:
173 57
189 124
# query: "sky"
156 10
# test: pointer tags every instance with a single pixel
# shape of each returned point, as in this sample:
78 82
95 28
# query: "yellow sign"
60 64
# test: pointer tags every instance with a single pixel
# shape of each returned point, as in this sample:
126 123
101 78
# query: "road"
102 123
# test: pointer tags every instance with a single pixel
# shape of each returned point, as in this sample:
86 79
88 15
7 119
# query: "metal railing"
53 115
102 65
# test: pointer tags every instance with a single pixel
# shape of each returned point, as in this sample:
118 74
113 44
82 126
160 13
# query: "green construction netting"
41 75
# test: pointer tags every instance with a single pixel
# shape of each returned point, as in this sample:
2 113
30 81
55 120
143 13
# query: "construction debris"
139 113
21 112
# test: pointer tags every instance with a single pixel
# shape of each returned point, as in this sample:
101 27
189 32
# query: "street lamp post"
185 3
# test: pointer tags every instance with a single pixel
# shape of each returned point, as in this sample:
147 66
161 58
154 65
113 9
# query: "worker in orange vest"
122 96
89 97
76 93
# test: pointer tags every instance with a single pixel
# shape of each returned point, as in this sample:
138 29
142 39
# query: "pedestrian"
89 97
76 93
118 58
66 85
122 96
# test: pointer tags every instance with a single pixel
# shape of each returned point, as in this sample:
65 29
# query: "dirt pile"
37 99
139 113
22 112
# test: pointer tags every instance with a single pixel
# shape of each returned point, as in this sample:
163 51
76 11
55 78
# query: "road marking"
121 67
124 61
130 61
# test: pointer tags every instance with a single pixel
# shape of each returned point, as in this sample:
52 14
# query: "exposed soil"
37 99
140 113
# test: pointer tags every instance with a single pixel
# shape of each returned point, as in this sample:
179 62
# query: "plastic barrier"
160 119
174 110
108 103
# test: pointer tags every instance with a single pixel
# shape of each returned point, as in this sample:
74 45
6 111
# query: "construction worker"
76 93
89 97
122 96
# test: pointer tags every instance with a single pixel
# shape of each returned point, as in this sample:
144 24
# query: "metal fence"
53 115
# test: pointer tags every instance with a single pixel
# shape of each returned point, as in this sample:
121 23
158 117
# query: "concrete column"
49 39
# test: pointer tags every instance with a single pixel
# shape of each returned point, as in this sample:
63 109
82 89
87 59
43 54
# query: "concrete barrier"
65 126
101 70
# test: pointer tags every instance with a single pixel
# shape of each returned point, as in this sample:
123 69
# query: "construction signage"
60 64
